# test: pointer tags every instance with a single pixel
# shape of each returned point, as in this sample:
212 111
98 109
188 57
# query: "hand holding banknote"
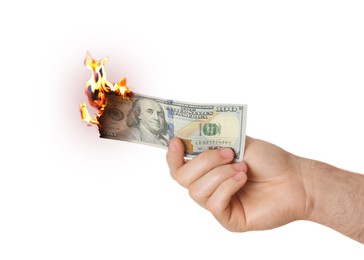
270 188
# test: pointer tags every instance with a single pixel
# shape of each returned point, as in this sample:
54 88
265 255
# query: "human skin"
270 188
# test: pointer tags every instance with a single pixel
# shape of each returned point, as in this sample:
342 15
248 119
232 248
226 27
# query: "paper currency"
155 121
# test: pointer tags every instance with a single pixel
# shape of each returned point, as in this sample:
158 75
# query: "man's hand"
263 192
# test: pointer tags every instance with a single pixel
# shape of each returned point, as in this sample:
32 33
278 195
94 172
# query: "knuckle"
218 173
213 207
173 174
205 158
180 179
195 194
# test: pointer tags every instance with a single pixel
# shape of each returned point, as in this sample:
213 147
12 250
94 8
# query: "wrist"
334 198
308 182
313 178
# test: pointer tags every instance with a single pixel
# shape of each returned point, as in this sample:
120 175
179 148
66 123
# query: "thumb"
175 156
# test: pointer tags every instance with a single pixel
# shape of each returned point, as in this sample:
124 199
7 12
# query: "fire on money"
128 116
97 88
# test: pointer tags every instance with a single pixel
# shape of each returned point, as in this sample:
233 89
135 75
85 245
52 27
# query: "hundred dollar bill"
155 121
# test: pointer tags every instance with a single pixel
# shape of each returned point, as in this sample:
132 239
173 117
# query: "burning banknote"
127 116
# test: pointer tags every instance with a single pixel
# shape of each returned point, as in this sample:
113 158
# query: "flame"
97 88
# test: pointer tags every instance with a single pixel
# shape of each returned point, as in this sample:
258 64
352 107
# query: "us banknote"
155 121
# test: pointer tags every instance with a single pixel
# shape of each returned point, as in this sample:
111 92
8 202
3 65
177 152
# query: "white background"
67 194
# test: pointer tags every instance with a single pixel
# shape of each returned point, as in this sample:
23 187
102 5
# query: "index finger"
187 173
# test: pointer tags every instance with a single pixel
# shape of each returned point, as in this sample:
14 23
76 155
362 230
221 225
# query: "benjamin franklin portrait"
146 122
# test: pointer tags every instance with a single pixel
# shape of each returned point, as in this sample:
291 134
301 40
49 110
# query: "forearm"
335 198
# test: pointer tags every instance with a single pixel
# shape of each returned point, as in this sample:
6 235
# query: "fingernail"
226 153
239 176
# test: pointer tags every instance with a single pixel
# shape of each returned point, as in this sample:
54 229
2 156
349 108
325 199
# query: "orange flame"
97 88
